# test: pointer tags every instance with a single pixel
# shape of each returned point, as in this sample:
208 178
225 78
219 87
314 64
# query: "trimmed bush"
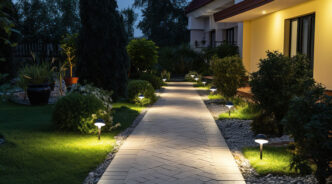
309 122
156 81
143 55
77 112
138 87
278 80
228 74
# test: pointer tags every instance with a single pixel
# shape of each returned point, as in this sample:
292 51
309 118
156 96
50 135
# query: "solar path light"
99 123
261 139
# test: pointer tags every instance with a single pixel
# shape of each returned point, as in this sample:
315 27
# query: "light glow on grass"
244 111
276 160
216 97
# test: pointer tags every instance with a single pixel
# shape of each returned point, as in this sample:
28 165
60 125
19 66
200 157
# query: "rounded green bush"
77 112
156 81
141 87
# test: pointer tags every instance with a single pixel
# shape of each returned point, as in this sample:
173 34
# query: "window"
301 36
213 39
230 36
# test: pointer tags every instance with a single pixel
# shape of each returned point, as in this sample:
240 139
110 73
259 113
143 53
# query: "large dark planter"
39 94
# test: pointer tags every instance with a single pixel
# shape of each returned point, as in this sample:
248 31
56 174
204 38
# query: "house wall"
267 33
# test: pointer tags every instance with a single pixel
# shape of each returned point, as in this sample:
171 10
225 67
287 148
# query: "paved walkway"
176 142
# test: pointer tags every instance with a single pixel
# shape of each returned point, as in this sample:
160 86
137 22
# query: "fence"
41 49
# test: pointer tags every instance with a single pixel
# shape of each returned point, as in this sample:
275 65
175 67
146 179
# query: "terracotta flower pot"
71 80
39 94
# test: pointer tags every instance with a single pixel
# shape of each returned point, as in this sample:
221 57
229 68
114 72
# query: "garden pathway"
177 141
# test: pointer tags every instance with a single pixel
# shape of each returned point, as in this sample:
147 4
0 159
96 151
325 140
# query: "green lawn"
215 97
276 160
35 153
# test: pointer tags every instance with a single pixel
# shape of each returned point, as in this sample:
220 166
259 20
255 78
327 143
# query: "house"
205 31
287 26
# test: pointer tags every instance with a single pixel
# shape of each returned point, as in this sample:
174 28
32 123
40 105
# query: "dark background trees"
164 22
103 57
129 19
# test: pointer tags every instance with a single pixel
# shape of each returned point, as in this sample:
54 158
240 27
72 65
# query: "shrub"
181 59
156 81
265 124
309 121
138 87
228 74
188 77
223 50
103 95
278 79
143 55
77 112
165 75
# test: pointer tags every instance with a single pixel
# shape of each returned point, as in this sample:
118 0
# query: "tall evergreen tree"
129 18
164 22
103 57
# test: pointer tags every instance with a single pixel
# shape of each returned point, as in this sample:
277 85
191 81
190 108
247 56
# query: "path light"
229 105
141 97
204 83
99 123
196 79
261 139
192 76
213 89
164 80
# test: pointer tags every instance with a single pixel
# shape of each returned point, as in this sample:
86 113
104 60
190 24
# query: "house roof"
196 4
251 9
241 7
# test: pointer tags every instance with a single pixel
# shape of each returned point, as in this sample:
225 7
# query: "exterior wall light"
229 105
261 139
99 123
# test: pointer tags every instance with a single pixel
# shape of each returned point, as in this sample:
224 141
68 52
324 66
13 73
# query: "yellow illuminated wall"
267 33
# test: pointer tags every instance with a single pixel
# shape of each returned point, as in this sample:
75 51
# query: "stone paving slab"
177 142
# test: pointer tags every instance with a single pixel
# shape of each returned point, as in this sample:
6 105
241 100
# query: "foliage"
141 87
129 18
223 50
143 55
103 95
164 22
165 75
76 112
265 123
103 59
278 79
181 60
309 121
228 74
188 76
155 81
48 20
35 74
8 36
275 160
69 48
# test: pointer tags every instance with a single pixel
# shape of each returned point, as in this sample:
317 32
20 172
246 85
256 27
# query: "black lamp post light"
196 79
204 83
229 105
261 139
99 123
192 75
164 80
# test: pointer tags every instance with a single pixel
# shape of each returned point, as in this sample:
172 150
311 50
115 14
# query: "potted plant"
68 47
35 80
